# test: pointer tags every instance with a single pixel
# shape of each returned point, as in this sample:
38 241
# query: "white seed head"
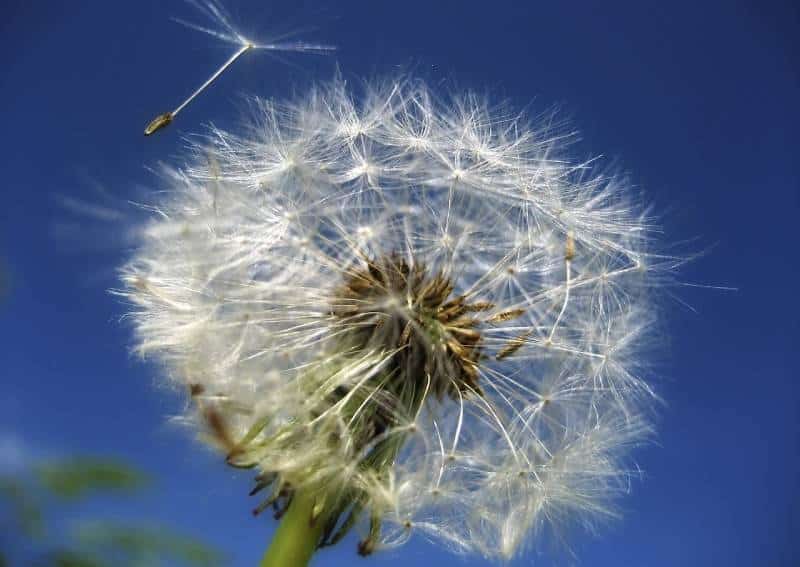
418 300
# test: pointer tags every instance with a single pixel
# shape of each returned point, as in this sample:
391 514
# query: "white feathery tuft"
512 416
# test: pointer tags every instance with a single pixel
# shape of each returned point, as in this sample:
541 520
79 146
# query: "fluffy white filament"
233 279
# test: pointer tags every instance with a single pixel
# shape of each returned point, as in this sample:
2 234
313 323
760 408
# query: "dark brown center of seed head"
410 313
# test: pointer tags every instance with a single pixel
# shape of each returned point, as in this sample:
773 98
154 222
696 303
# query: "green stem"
296 538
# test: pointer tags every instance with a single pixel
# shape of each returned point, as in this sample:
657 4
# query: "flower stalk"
298 534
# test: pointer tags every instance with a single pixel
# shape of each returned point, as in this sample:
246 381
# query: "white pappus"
418 302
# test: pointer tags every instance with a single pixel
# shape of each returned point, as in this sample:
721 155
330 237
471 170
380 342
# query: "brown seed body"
158 123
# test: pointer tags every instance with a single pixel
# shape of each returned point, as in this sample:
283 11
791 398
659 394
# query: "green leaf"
139 543
73 478
69 558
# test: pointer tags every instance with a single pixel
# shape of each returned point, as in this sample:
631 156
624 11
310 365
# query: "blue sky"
697 100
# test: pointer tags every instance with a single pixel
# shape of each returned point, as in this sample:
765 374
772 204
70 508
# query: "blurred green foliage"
24 511
77 477
32 500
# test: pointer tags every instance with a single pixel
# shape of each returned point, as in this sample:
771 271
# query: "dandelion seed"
569 255
513 345
506 316
569 248
165 119
230 34
449 341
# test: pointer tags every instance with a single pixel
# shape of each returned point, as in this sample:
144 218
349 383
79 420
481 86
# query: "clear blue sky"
698 100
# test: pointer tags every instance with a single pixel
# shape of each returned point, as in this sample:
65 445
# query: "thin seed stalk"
296 538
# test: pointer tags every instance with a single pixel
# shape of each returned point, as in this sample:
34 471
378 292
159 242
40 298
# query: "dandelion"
409 314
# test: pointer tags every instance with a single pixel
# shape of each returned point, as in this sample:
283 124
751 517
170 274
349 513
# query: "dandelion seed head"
419 300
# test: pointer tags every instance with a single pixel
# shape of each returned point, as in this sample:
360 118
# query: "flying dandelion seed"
228 33
410 314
